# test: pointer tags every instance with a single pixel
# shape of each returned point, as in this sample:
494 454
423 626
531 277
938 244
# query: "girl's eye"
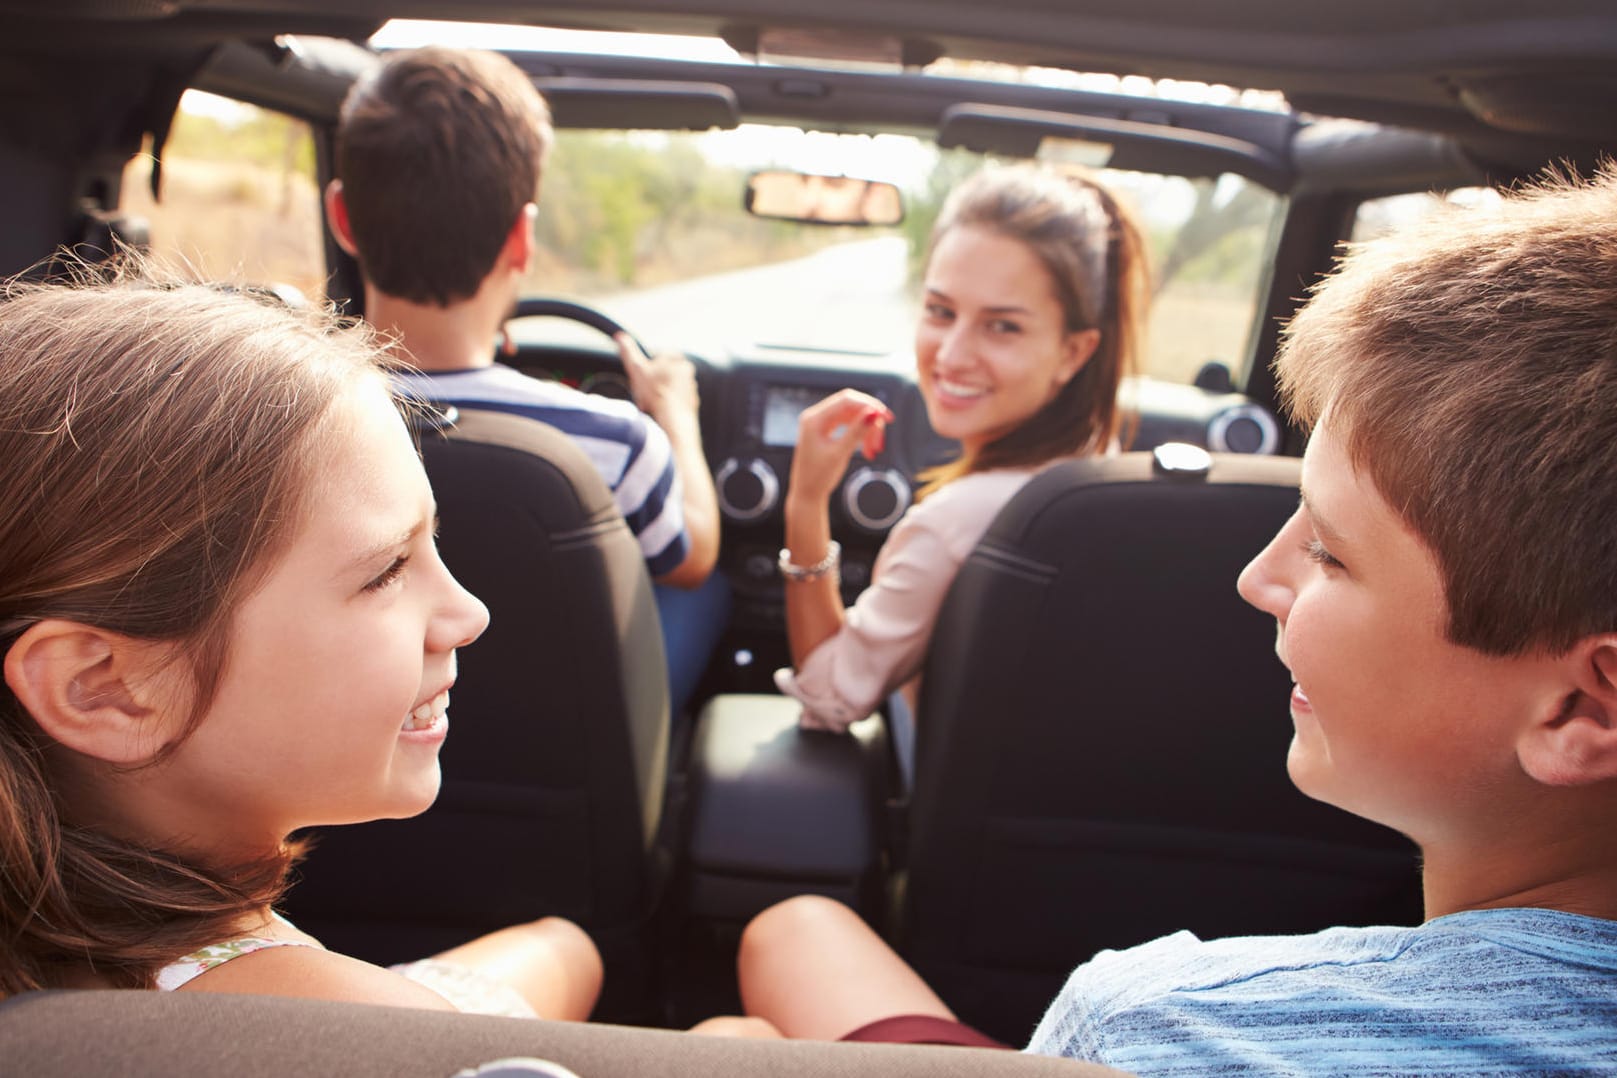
390 574
937 312
1317 553
1002 325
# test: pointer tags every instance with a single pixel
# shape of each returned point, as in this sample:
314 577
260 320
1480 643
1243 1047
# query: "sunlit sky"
408 33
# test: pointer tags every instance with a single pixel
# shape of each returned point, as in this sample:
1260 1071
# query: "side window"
1379 216
240 201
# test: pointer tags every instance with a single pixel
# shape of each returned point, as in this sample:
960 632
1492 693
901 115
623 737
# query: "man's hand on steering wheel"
664 386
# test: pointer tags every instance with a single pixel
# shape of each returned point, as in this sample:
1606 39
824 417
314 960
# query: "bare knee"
571 942
562 978
738 1026
794 921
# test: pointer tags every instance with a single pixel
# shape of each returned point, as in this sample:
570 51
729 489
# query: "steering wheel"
577 312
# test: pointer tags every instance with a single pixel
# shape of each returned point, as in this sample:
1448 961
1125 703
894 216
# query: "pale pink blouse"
883 639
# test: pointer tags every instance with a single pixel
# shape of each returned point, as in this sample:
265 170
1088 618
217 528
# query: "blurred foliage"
922 205
637 209
251 135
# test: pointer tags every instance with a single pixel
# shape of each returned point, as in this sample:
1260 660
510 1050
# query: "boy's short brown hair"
438 150
1469 364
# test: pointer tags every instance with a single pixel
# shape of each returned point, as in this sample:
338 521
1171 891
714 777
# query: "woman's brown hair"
157 440
1093 251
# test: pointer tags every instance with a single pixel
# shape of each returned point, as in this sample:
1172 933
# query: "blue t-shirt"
626 446
1508 991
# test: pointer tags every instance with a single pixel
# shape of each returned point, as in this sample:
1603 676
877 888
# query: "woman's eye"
937 312
1317 553
390 574
1003 325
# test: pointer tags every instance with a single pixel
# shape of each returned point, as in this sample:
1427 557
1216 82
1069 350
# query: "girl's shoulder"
293 968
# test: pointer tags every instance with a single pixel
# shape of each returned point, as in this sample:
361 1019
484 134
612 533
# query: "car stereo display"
782 406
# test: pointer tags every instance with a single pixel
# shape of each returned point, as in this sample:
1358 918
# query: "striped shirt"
626 446
1484 992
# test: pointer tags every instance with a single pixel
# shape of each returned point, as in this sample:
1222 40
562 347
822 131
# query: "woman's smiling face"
992 347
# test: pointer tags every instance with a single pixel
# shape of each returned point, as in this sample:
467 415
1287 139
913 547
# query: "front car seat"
1101 754
555 766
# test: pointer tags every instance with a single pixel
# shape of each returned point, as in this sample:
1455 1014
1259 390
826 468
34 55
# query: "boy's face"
1392 721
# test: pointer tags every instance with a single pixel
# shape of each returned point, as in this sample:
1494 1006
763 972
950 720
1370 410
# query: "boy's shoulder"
1510 975
1181 964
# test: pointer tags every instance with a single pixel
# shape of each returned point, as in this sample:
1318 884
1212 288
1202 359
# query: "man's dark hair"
438 150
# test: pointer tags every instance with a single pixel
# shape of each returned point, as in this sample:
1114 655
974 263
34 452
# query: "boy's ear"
98 693
519 242
1577 744
337 218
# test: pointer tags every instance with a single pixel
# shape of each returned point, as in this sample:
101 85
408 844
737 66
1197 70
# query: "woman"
1034 291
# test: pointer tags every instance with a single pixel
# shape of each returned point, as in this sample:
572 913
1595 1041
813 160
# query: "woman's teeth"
428 713
955 389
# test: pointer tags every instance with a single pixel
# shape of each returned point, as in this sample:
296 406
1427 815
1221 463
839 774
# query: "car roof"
1548 68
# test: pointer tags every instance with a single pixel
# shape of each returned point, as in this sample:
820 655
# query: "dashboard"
750 407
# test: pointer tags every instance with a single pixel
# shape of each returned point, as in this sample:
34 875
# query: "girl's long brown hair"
1092 248
157 441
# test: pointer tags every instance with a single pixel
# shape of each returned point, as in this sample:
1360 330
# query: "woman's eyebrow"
1009 308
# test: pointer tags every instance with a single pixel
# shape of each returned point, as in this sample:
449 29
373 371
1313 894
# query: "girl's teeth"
428 713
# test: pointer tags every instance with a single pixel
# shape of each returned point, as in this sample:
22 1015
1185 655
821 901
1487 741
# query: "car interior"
1098 746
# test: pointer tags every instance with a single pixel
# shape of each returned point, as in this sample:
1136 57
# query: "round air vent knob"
1245 428
875 498
747 489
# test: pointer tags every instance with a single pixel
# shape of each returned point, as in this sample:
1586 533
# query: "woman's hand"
828 435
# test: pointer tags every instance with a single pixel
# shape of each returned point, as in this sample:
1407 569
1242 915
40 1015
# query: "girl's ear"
99 693
337 218
1076 350
1577 744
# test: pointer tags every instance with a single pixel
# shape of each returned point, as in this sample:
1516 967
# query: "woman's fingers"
844 415
875 435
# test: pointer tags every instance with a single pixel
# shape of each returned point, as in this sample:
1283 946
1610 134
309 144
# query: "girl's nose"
463 618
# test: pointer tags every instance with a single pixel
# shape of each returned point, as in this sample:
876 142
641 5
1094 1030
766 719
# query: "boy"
1446 600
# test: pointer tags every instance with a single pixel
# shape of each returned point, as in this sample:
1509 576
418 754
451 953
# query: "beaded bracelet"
823 567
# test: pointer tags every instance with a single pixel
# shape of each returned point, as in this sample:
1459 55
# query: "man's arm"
665 389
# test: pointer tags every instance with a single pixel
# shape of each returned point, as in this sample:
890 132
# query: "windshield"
649 227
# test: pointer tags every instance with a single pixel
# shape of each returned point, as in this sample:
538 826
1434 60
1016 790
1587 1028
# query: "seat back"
555 762
207 1034
1102 738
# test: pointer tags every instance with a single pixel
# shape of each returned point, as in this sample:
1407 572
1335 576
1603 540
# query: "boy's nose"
1263 583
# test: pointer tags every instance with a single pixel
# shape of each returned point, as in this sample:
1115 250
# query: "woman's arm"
828 434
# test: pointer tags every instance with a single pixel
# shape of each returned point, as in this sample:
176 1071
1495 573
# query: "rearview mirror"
825 200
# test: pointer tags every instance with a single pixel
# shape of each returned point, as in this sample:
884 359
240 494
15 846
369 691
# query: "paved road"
851 296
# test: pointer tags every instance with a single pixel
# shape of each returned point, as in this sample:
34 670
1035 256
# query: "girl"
1034 290
223 618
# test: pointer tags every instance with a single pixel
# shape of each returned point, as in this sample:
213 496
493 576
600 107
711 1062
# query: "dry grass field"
233 221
